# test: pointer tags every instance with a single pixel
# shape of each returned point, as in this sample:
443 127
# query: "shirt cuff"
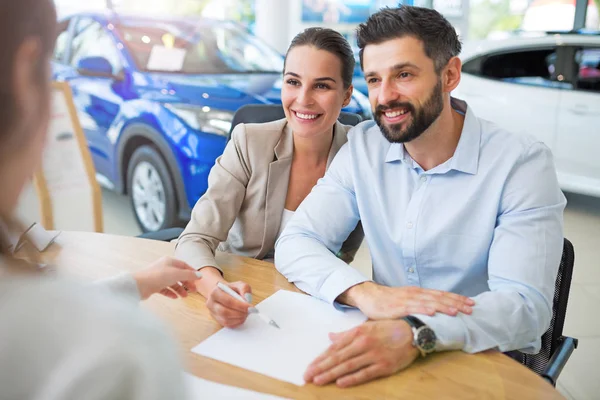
450 331
123 284
342 279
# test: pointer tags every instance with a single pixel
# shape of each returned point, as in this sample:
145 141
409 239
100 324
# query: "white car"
547 86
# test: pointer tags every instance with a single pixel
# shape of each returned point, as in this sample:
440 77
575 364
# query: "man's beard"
421 118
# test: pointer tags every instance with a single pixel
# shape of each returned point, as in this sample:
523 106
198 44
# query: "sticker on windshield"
166 59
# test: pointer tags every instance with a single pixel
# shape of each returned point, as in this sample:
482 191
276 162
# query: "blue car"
156 97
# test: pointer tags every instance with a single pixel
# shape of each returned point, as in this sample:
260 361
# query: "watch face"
426 339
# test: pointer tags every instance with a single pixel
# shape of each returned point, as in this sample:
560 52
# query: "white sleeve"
71 342
123 284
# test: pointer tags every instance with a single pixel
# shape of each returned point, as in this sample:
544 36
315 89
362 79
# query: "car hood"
224 91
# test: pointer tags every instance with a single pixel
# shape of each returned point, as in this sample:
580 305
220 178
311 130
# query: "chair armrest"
165 235
559 359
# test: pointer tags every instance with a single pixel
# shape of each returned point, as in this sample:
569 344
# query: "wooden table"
456 375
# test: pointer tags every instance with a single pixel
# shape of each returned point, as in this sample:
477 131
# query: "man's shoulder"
367 132
498 140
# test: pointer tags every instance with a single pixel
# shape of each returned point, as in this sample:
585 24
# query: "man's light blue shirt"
487 223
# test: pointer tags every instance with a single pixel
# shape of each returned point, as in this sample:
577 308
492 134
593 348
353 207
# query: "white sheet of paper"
166 59
202 389
284 353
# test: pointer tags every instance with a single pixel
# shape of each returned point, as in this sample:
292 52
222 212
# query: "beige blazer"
241 211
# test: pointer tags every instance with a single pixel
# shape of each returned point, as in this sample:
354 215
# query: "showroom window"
588 67
534 67
91 40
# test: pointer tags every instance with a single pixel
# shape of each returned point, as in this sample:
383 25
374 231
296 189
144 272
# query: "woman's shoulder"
344 128
259 135
256 143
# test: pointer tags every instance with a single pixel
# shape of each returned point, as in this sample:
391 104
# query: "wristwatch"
424 338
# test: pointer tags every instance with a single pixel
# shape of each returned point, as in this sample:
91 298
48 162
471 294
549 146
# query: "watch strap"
414 322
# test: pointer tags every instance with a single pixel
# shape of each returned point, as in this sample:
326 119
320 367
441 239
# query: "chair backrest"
553 336
260 113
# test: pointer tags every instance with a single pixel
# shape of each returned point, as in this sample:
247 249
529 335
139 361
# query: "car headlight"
363 102
204 119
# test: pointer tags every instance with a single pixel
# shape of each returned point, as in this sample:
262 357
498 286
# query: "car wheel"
151 190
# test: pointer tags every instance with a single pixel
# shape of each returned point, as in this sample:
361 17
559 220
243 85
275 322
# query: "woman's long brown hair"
20 20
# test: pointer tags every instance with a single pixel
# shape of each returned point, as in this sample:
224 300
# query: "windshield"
188 48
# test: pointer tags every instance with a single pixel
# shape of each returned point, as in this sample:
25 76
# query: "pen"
251 310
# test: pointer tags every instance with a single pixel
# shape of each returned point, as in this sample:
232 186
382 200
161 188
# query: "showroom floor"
579 380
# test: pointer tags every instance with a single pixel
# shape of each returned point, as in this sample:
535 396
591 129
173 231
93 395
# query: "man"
463 219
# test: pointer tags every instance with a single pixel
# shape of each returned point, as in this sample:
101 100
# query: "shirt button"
423 179
411 270
409 225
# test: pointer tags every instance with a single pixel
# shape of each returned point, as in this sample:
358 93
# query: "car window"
588 69
61 41
528 67
192 48
91 40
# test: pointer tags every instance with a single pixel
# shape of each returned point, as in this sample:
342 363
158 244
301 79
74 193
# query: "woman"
60 340
268 169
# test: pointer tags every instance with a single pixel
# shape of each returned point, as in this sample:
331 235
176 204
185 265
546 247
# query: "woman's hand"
227 310
167 276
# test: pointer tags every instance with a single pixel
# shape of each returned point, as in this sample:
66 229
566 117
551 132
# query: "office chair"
164 235
260 113
250 113
556 348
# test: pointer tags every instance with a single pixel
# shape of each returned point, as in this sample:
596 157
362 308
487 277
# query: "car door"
516 89
98 99
577 151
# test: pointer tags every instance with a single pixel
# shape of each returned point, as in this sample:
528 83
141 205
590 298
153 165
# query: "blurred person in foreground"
60 339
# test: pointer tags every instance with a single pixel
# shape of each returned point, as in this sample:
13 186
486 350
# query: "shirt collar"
395 152
466 155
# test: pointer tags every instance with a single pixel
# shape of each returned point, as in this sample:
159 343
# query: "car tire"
151 191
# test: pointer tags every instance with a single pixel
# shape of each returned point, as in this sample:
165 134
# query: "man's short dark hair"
439 37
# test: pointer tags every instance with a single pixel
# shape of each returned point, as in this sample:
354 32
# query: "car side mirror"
98 67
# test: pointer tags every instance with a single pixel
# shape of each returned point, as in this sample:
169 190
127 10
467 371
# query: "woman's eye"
322 86
292 82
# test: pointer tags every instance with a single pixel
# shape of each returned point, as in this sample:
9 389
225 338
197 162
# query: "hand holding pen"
251 310
231 310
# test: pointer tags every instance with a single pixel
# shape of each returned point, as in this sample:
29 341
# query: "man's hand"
383 302
164 276
228 311
372 350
